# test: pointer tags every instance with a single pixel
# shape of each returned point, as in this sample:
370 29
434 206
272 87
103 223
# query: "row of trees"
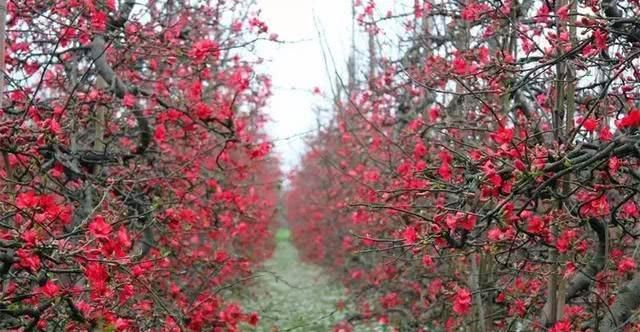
487 177
137 186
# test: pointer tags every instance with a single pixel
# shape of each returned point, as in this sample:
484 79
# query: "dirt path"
294 296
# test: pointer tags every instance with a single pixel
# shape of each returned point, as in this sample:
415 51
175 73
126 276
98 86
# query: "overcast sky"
297 66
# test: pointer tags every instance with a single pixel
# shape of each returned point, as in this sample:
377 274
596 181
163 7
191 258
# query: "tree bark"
628 300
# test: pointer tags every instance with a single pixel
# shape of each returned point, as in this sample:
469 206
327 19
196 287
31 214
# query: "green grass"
294 296
283 235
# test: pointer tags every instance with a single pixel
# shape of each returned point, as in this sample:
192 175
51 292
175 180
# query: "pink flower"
30 237
28 260
50 289
626 264
605 134
445 171
563 13
99 227
630 120
253 319
590 124
97 276
129 100
518 307
561 326
630 209
536 225
427 261
434 113
123 238
600 39
435 287
462 302
260 150
460 66
410 235
203 111
502 135
126 293
419 151
445 168
27 200
473 11
614 164
98 20
160 133
203 48
468 222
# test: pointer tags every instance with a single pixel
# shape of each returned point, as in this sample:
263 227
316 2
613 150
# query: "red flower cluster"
459 168
462 302
203 49
134 193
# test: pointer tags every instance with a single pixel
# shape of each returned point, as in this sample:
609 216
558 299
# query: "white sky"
296 67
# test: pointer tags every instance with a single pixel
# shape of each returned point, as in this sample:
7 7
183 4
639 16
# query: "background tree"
137 183
484 175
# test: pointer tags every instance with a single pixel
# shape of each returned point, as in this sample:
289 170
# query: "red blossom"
614 164
473 11
600 39
563 12
28 260
605 134
97 276
435 287
129 100
468 222
561 326
410 235
460 66
129 158
518 308
50 289
99 20
632 119
253 319
390 300
160 133
260 150
126 293
626 264
590 124
202 111
445 168
434 113
27 200
536 225
569 270
630 209
419 151
462 301
502 135
427 261
99 228
204 48
30 237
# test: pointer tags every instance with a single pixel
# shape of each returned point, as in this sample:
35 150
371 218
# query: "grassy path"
293 296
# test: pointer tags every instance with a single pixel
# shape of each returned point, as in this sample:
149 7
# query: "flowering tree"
137 184
486 178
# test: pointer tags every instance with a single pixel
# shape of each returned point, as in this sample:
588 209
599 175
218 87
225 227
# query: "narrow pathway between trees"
292 295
